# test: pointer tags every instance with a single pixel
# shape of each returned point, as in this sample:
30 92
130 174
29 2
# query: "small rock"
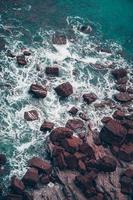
31 115
21 60
83 116
40 164
31 177
122 81
89 98
119 73
119 115
85 29
59 39
53 71
75 124
64 90
123 97
46 126
17 185
38 91
73 110
130 90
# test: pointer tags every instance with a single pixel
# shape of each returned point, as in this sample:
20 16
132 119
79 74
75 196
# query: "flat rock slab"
64 90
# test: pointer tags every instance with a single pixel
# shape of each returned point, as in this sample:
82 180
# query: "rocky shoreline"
92 165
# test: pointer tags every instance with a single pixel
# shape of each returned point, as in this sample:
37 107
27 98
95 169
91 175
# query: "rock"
45 179
58 157
98 196
106 164
60 133
127 123
46 126
73 111
123 97
41 165
121 88
10 54
21 60
91 192
75 124
71 161
31 115
105 120
27 53
31 177
130 90
59 39
89 98
14 197
71 144
81 166
129 136
83 116
38 91
118 114
119 73
2 159
17 185
126 181
124 152
85 29
2 44
64 90
113 133
87 150
122 81
27 196
53 71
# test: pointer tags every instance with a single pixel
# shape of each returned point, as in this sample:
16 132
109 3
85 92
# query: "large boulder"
123 97
71 144
38 91
31 115
74 124
2 159
119 73
89 98
64 90
126 181
17 185
41 165
59 39
46 126
53 71
60 133
31 177
113 133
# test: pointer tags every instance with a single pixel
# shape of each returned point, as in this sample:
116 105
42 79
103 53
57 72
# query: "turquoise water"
31 25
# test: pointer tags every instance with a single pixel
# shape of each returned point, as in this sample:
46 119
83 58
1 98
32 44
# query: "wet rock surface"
31 115
89 98
64 90
53 71
38 91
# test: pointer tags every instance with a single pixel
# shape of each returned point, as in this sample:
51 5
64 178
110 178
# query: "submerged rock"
38 91
89 98
31 115
2 159
27 53
59 39
85 29
64 90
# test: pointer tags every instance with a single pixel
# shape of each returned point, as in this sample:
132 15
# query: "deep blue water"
30 25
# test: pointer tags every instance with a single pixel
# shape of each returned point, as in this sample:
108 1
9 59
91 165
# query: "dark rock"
121 88
85 29
74 124
113 133
53 71
71 144
71 161
89 98
73 110
122 81
91 192
2 44
38 91
123 97
64 90
31 115
27 53
81 166
60 133
119 73
2 159
40 164
27 196
17 185
83 116
118 114
106 164
46 126
21 60
126 181
10 54
58 157
127 123
129 136
87 150
14 197
59 39
45 179
105 120
31 177
130 90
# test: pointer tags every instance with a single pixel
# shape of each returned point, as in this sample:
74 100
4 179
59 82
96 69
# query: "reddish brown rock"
17 185
73 110
38 91
118 114
81 166
31 177
21 60
106 120
113 133
87 150
2 159
106 164
46 126
119 73
71 161
89 98
122 81
123 97
83 116
127 123
74 124
58 155
45 179
126 181
31 115
59 39
53 71
60 133
71 144
41 165
64 90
